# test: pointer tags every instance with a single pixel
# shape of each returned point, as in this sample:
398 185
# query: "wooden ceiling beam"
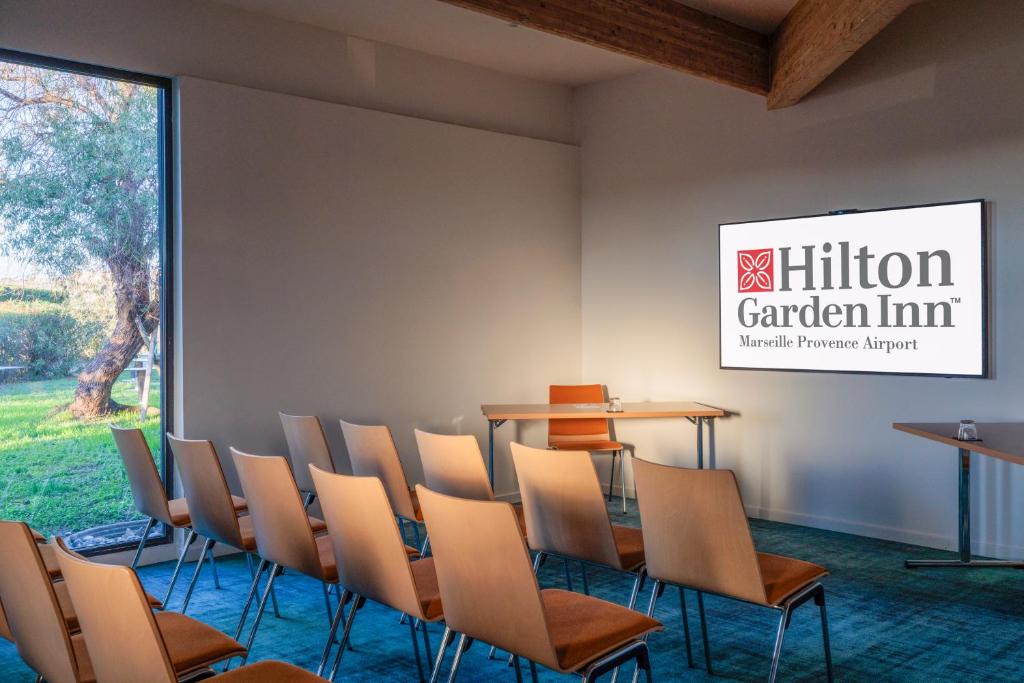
819 35
662 32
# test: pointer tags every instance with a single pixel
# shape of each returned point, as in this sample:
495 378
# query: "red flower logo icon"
756 270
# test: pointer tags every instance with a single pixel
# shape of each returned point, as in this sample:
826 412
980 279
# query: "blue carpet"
887 623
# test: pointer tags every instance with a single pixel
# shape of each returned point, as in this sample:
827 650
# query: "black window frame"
165 159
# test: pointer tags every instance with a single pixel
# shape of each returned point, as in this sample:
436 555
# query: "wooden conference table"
697 413
1003 440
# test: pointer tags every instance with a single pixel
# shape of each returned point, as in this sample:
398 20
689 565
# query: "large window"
84 292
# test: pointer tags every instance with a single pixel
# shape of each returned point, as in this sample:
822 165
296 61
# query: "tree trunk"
131 301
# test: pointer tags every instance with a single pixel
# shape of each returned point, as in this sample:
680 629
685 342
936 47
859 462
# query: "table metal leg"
491 426
700 443
964 523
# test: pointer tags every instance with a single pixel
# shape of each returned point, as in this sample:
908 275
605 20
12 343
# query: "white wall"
930 110
348 263
208 40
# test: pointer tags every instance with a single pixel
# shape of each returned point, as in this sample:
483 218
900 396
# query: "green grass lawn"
60 474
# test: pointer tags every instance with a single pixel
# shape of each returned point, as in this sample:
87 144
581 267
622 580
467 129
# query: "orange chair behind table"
586 434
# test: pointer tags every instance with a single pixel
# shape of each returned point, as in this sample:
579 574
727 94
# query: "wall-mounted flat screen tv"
893 291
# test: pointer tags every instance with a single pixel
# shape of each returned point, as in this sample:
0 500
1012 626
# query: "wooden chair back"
209 499
453 465
584 429
484 575
120 631
143 477
279 521
371 449
307 445
564 505
32 610
696 532
368 546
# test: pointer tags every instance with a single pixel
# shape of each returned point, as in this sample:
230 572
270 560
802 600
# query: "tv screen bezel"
985 299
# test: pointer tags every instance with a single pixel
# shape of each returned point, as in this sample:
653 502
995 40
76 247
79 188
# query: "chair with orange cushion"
566 514
586 434
128 642
307 445
151 497
373 560
490 593
372 452
696 535
454 465
285 537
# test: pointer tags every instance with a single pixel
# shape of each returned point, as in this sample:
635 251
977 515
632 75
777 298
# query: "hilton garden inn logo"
896 291
841 267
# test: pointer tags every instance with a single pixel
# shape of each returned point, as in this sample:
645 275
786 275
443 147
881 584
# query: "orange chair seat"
268 672
192 645
325 549
592 446
784 576
425 578
178 508
584 628
629 542
249 533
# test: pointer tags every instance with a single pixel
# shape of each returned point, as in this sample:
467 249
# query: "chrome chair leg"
638 585
686 627
463 645
819 599
310 497
704 633
611 477
327 601
333 633
656 590
177 568
416 535
213 566
622 478
416 649
252 594
780 633
568 575
142 542
533 671
426 639
446 640
519 670
356 602
207 546
259 611
583 572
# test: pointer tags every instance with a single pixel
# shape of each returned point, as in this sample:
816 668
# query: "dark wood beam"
663 32
819 35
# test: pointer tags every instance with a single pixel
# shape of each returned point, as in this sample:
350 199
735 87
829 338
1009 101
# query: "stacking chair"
151 498
284 535
586 434
490 593
372 452
696 535
128 642
566 514
372 559
307 445
211 507
37 623
454 466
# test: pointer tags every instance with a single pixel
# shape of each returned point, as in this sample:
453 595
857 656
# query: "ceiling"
440 29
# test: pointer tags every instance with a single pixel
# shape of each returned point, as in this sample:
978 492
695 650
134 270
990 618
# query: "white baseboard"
910 536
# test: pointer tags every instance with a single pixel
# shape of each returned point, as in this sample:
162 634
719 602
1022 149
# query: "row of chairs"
563 514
